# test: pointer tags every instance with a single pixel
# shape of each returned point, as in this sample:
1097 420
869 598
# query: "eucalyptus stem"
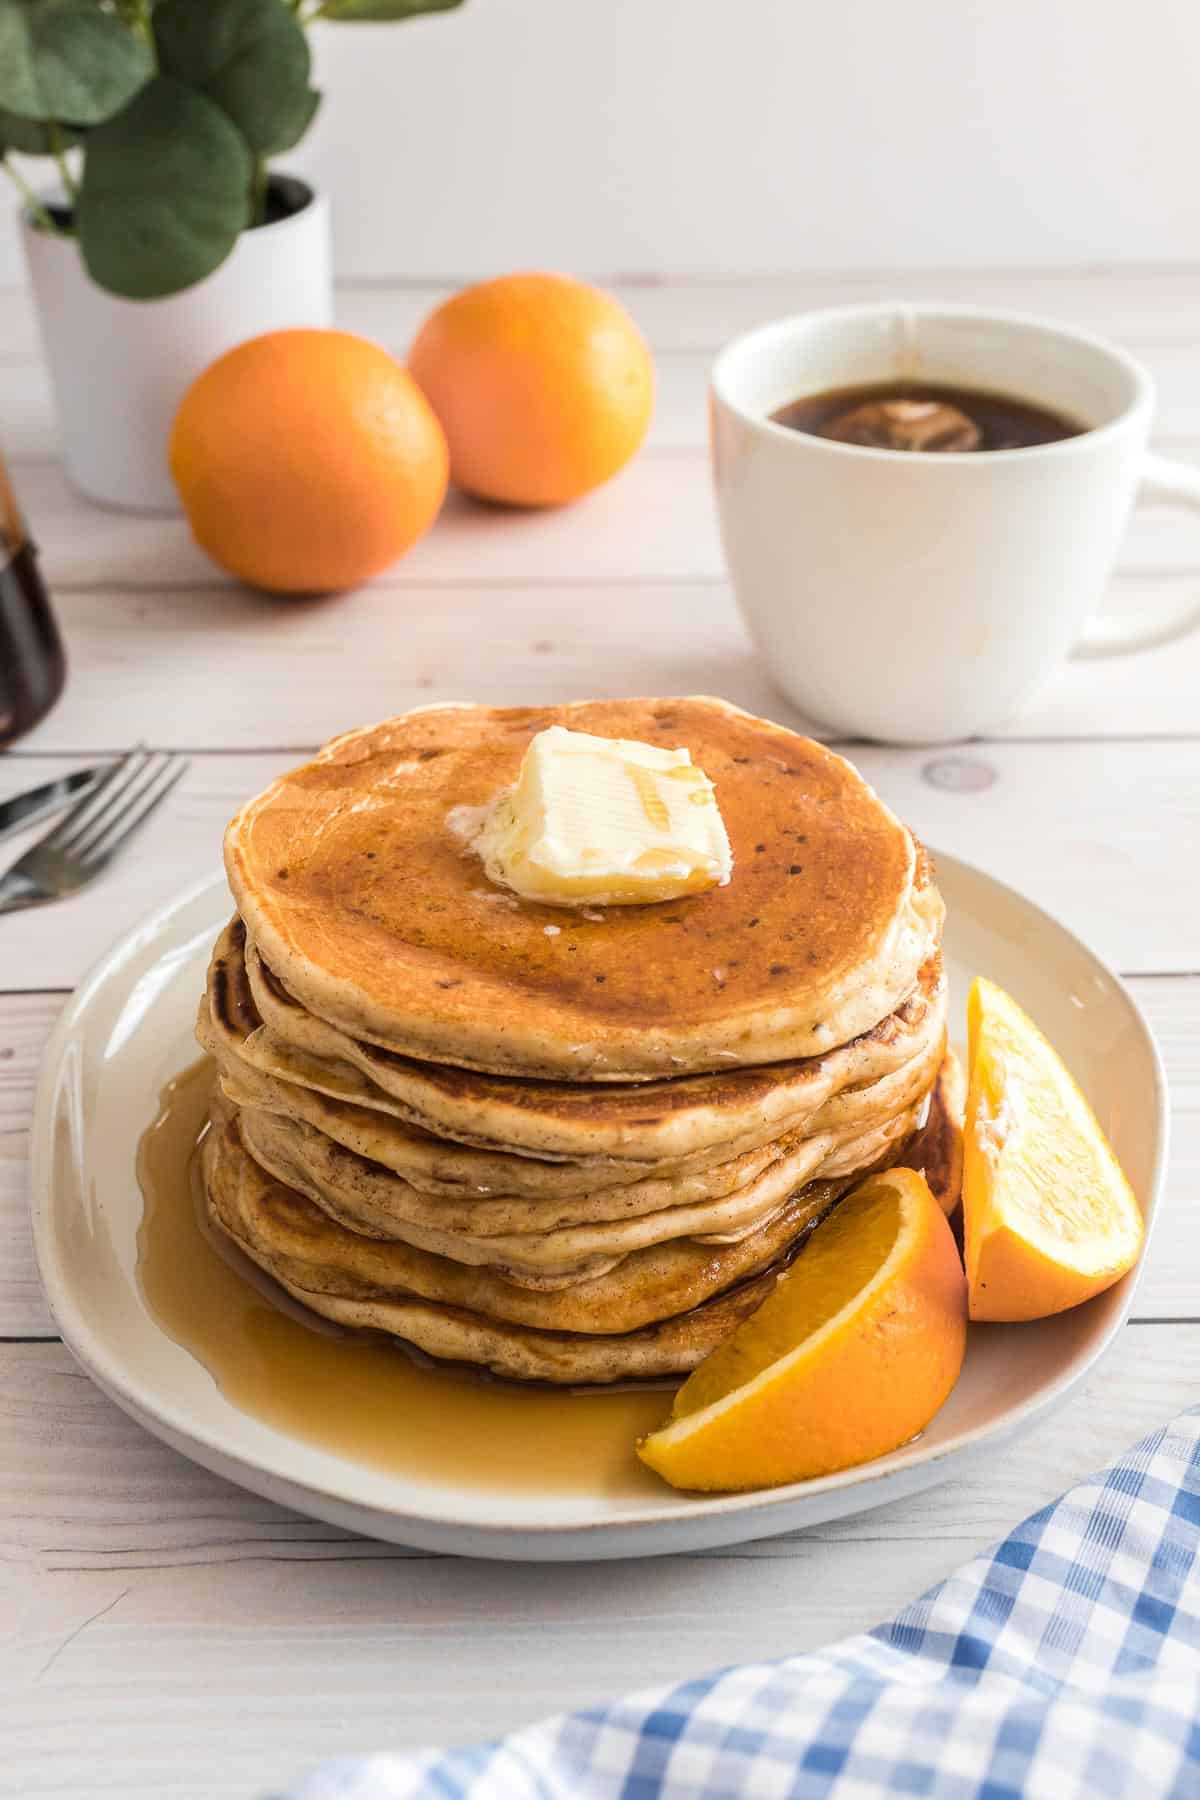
36 209
58 151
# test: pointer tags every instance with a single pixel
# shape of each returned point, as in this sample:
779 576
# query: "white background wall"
727 136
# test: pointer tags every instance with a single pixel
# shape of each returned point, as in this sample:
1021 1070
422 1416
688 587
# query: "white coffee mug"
923 597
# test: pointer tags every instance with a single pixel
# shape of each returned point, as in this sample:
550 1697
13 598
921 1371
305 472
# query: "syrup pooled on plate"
368 1400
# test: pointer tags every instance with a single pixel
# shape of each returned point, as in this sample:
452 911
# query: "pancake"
376 915
497 1192
451 1334
638 1129
672 1347
288 1235
374 1203
390 1149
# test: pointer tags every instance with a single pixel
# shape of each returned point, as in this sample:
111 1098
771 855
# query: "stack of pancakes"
570 1145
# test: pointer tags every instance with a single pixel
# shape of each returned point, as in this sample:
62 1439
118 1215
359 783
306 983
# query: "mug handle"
1163 483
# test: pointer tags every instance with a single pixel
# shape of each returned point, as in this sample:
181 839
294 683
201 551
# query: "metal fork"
86 839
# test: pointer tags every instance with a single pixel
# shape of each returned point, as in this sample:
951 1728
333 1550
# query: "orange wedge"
850 1356
1048 1217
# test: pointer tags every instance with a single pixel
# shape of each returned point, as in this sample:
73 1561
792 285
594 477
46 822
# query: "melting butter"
605 821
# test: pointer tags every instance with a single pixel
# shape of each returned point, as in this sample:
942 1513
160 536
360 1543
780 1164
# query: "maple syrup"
366 1399
32 664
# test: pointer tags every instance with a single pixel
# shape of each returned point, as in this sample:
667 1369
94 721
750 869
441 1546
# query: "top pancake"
372 910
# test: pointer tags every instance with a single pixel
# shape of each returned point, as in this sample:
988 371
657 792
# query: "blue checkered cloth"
1065 1662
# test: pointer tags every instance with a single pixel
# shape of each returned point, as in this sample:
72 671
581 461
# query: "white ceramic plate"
128 1030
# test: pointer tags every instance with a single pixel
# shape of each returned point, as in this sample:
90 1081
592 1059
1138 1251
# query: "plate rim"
763 1511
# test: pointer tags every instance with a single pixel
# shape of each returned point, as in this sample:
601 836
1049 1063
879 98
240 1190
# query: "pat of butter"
598 821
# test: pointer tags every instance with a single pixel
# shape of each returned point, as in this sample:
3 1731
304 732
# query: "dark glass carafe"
32 665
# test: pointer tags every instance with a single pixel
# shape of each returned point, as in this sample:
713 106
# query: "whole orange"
307 460
544 385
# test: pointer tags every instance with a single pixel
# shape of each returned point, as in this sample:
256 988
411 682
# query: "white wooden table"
164 1633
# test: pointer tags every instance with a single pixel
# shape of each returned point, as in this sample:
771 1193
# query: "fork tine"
134 814
122 796
96 798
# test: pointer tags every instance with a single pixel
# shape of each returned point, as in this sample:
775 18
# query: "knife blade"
39 802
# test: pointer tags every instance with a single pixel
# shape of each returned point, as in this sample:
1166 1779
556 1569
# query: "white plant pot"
119 368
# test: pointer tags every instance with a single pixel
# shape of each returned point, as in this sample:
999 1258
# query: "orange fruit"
544 385
307 460
851 1355
1048 1217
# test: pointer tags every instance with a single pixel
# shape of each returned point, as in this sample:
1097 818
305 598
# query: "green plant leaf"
250 57
31 136
365 11
67 59
165 193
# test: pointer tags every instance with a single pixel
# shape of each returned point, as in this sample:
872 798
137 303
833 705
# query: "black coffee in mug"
927 416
